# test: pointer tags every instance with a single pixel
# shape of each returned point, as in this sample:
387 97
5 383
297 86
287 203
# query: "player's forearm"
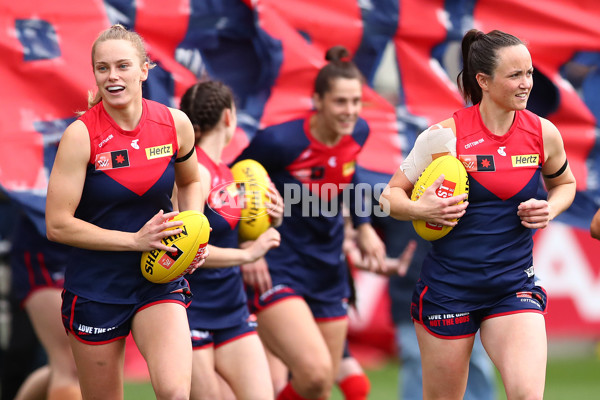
190 197
560 198
78 233
221 257
394 201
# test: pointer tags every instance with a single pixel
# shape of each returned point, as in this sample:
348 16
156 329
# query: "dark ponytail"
480 54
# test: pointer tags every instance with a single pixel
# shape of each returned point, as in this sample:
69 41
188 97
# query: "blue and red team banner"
269 52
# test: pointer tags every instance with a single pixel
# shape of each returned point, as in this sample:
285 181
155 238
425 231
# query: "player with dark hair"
480 276
301 310
223 333
109 198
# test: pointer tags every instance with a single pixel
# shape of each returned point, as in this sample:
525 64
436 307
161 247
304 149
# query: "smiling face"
338 109
511 84
119 72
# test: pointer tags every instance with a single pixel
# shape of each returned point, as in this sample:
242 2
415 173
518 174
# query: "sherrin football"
161 266
252 181
456 182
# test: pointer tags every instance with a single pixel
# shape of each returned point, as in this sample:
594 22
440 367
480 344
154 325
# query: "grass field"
567 378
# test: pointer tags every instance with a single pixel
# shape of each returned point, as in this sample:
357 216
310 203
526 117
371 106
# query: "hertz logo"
525 160
348 168
159 151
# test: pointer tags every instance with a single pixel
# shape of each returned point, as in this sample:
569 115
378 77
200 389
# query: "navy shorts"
36 262
450 319
38 269
321 310
203 338
92 322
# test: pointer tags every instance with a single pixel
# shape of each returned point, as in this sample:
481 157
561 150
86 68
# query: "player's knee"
526 392
314 379
172 392
529 396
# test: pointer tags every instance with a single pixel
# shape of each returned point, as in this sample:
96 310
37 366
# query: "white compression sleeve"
433 140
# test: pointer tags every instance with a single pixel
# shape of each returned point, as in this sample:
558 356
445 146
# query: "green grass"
567 378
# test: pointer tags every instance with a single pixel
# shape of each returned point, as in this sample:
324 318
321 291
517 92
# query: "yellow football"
161 266
456 182
253 183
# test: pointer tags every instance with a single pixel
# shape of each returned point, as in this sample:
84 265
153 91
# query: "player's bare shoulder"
185 130
75 142
553 142
449 123
179 117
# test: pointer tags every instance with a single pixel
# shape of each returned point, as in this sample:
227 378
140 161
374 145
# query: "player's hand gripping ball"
161 266
253 182
456 182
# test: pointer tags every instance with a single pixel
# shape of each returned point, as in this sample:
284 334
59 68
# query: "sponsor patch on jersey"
317 172
165 150
478 163
525 160
348 168
112 160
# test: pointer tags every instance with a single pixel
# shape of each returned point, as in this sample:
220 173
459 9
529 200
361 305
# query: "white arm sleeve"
430 141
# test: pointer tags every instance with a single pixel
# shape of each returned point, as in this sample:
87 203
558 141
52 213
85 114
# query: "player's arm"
559 181
595 226
65 188
434 142
256 274
371 246
187 175
221 257
275 206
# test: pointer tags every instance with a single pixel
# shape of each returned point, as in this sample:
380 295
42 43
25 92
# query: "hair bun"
338 53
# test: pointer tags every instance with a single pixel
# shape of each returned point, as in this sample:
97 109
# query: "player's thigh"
445 364
43 308
278 371
205 383
517 345
334 332
289 330
100 368
225 389
249 379
162 335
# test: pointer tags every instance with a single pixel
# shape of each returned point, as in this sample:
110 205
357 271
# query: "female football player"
481 275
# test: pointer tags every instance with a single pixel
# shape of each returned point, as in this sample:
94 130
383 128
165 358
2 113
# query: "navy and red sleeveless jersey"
129 178
310 176
219 297
489 252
